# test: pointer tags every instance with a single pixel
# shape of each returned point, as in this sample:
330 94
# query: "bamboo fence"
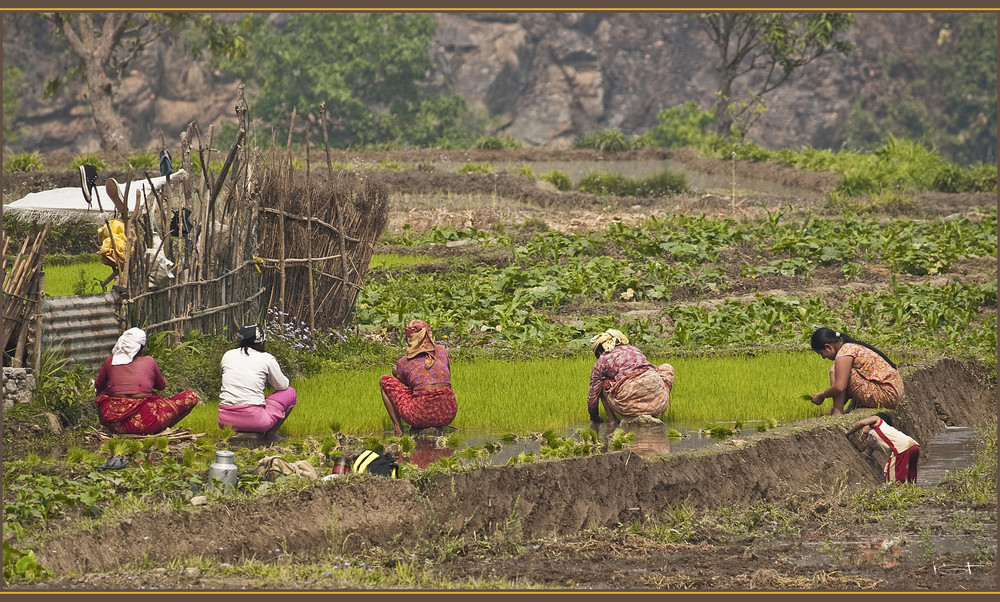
264 235
23 285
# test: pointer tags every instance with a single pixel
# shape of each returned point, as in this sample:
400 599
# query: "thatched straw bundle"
313 267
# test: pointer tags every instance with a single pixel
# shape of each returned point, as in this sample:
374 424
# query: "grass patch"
75 279
389 261
520 397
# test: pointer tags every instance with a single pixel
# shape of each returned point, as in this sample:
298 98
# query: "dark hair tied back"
827 336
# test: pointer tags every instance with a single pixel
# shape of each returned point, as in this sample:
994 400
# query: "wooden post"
339 221
281 222
309 240
39 323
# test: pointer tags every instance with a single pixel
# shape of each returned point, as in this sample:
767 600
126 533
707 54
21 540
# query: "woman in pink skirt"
624 381
246 371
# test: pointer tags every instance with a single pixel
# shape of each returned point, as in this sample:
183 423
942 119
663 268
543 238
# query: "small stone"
199 500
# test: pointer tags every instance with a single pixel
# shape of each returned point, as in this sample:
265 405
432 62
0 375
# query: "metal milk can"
223 469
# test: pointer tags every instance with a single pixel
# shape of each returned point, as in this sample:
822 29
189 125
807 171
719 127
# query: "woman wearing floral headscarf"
125 384
419 390
246 371
624 381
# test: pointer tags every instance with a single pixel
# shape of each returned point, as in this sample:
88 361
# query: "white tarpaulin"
68 204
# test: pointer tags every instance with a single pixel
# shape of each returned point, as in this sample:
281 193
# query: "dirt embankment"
546 498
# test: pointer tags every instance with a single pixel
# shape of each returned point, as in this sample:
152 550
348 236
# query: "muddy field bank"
545 498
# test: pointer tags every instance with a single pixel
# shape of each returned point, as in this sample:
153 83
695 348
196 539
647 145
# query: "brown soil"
579 523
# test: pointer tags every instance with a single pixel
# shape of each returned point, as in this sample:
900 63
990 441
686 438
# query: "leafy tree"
951 100
107 43
13 79
683 125
368 69
765 49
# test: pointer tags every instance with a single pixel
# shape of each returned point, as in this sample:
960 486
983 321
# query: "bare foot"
272 438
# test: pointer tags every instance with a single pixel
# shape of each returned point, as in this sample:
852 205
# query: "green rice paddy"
524 397
75 278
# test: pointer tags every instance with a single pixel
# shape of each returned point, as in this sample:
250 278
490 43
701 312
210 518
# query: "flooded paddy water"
951 450
643 439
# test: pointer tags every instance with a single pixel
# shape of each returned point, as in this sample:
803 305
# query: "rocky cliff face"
549 77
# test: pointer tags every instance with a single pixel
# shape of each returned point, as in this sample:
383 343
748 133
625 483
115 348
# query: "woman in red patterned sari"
419 390
125 397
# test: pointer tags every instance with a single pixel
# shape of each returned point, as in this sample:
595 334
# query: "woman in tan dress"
860 373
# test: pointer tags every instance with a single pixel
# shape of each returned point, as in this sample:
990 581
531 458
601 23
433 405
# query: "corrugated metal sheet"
84 326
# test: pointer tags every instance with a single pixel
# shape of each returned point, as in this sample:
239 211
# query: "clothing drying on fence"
860 373
419 391
125 388
113 247
246 372
624 381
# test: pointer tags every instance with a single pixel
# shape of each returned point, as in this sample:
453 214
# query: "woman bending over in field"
860 373
624 381
125 396
419 391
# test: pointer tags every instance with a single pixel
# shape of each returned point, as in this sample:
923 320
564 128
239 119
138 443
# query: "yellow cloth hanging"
113 256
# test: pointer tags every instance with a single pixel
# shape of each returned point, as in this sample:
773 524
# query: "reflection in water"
426 451
650 439
882 552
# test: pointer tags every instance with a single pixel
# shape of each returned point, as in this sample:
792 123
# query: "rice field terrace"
744 485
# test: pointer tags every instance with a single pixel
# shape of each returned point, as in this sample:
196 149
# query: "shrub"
216 165
54 259
71 238
685 125
24 162
476 167
663 183
605 140
604 183
952 178
88 159
982 178
386 164
526 171
559 179
144 159
644 141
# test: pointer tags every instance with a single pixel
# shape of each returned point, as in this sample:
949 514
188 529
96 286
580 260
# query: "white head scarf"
127 346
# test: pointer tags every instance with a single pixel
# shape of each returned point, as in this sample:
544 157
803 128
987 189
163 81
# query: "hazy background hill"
549 78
